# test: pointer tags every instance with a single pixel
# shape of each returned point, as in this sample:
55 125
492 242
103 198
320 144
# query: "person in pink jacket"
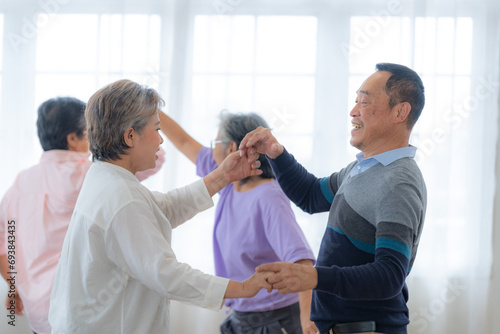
35 212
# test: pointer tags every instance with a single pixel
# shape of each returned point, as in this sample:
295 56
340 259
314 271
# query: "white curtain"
299 63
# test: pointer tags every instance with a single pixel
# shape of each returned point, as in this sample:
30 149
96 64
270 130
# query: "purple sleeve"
281 228
205 162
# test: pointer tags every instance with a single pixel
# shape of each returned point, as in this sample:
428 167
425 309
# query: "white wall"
494 301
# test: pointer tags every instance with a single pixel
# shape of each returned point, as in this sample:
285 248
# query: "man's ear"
401 112
72 140
130 137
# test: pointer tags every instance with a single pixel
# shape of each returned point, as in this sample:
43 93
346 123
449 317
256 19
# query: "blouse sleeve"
136 245
182 204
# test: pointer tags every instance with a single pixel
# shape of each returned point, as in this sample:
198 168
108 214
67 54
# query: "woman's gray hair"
114 109
234 127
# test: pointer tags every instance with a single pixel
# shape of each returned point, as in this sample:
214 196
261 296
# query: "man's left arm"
382 279
400 224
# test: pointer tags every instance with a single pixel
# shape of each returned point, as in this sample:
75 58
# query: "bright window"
78 53
265 64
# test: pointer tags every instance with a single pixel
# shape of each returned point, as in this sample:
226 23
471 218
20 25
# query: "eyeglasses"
214 142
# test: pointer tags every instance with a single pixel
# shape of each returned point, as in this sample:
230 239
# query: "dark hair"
112 110
57 118
404 85
234 127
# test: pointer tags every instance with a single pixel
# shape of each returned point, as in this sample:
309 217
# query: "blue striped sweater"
370 242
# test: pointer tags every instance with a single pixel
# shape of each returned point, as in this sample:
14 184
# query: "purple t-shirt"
252 228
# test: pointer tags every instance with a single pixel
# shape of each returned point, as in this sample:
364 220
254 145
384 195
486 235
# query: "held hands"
235 168
262 141
290 277
255 283
248 288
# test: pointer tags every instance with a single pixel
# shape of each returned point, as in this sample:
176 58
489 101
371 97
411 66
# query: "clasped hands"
245 163
285 277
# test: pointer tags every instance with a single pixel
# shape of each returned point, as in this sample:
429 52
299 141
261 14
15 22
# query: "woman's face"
148 143
220 150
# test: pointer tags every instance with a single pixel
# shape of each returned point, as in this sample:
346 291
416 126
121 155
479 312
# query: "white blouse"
117 270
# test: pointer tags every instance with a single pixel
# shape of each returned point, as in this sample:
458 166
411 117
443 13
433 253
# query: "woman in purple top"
254 224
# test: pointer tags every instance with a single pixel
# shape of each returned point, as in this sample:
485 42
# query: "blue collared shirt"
385 159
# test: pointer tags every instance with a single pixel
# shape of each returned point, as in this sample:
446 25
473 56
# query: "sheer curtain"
298 63
454 47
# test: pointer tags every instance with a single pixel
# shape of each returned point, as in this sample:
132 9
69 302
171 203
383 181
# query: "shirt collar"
63 155
389 157
118 169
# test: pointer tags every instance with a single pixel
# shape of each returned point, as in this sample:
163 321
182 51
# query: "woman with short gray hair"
254 224
117 270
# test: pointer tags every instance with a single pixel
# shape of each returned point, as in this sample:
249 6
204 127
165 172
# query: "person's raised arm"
300 186
186 144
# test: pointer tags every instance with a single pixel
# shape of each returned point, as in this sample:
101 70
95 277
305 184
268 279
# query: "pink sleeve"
141 176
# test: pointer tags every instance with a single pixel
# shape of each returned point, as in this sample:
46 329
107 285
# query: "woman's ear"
72 140
129 137
232 147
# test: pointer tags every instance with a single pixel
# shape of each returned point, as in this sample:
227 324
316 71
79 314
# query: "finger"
255 172
275 148
274 266
244 141
274 279
252 157
266 285
279 285
256 164
254 137
252 153
270 287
